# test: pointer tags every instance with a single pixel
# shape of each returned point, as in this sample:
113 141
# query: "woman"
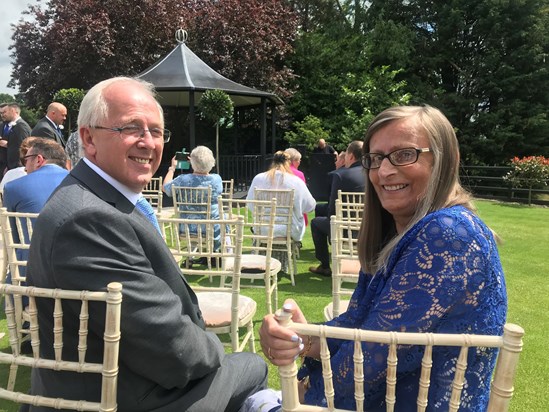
280 176
429 264
295 161
202 162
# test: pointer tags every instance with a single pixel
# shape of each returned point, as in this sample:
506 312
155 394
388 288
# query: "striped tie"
145 207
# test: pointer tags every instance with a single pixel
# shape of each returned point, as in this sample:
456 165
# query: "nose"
146 140
386 168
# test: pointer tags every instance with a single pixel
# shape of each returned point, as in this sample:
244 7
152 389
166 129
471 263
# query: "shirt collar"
125 190
12 123
52 122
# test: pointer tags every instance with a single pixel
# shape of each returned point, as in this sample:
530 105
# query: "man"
4 129
350 178
50 125
90 233
323 147
45 162
17 130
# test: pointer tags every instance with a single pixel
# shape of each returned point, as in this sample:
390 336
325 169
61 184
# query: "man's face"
8 114
59 115
130 160
32 161
2 109
349 159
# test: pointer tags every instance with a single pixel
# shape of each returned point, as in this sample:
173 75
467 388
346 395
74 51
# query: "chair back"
510 346
225 311
228 189
345 263
192 202
350 205
17 231
257 245
283 225
109 366
153 193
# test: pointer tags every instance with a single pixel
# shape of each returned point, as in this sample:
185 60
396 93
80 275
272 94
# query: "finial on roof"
181 35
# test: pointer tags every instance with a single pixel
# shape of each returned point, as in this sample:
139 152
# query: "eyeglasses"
400 157
139 132
24 158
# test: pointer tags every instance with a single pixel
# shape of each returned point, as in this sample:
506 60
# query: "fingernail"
295 338
301 346
287 307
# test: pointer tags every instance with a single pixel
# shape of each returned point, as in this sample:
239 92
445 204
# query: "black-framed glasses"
24 158
139 132
400 157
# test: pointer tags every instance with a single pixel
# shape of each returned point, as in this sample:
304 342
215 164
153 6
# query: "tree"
217 107
76 43
483 63
71 98
307 132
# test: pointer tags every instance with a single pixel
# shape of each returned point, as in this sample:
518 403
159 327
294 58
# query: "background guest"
295 161
280 176
323 147
50 126
17 130
18 171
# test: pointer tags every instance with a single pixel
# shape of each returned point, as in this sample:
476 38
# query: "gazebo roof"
182 71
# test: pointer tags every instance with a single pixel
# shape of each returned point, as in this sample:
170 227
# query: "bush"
530 172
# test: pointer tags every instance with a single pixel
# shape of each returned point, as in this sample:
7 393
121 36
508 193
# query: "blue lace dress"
443 276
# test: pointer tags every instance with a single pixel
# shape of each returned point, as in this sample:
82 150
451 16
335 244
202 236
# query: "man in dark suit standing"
4 128
50 125
350 178
90 233
16 131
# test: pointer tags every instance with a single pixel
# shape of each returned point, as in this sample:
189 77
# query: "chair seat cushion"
216 308
350 266
254 264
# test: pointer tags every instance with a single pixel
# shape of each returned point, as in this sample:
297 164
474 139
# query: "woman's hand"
282 345
173 163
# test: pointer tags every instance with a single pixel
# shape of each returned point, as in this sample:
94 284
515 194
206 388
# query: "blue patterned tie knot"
145 207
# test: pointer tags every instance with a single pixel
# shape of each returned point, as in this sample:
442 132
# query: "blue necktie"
145 207
6 130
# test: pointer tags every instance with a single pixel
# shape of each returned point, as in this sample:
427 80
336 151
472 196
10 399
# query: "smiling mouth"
392 188
141 160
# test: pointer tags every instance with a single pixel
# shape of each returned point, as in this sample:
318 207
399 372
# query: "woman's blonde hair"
281 163
378 234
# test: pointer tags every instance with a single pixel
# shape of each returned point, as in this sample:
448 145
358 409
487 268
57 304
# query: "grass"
525 234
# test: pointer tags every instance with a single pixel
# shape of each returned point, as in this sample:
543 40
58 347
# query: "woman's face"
400 188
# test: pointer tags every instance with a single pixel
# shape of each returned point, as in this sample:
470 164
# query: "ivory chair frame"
510 346
4 261
350 206
228 189
345 263
257 261
108 368
192 202
17 229
284 213
224 309
153 193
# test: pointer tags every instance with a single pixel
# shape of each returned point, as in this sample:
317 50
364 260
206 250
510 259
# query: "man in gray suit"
50 125
90 233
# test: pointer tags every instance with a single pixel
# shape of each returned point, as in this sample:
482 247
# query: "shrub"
530 172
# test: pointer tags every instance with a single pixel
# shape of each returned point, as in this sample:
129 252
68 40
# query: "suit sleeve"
159 338
334 188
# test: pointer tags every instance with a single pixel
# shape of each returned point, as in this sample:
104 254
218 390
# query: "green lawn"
524 254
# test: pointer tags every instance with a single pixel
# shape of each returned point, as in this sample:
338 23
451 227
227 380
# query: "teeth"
394 187
141 160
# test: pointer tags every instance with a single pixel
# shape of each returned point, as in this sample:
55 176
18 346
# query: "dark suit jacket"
351 179
3 151
45 128
88 235
19 131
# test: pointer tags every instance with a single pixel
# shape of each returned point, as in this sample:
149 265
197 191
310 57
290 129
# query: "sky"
9 15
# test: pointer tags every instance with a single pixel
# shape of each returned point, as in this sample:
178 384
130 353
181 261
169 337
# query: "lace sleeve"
436 280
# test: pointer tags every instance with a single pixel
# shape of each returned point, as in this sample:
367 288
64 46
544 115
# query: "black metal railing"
242 168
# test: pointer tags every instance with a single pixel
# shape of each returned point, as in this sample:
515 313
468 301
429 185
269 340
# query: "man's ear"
87 141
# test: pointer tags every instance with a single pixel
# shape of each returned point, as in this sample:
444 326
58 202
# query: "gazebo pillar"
192 132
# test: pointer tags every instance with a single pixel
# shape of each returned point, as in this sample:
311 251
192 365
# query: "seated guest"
340 160
95 230
350 178
429 264
280 176
202 162
18 171
45 162
295 161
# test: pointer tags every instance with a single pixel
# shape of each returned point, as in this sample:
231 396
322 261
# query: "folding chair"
257 261
283 222
350 206
510 346
108 368
345 263
153 193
